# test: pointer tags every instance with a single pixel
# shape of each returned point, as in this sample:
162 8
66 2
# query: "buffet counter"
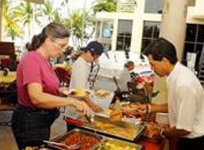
148 145
128 129
87 140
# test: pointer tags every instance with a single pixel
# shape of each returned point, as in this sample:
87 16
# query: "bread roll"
116 115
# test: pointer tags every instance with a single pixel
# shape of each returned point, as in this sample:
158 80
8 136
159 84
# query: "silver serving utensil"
64 146
90 121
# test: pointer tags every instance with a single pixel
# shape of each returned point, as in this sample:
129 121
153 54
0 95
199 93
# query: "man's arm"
148 108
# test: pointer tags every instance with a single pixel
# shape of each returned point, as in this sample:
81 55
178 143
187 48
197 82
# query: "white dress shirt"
185 101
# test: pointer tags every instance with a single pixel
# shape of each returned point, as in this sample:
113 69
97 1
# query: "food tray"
85 138
117 129
114 144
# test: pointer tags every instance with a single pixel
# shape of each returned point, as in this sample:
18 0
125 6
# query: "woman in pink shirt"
38 88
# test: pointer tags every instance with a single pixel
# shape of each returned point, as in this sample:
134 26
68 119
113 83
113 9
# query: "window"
153 6
124 34
107 29
151 32
104 31
194 41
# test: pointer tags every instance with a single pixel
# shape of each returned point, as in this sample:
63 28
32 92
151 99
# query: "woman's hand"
92 105
82 107
62 90
95 107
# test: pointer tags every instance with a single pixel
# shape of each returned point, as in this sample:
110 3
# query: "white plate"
109 94
68 92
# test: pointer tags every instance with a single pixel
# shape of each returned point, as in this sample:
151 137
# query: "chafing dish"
117 129
86 139
115 144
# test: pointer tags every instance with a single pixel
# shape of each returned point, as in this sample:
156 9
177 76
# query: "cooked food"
85 139
130 110
79 92
102 93
151 129
115 130
114 145
116 115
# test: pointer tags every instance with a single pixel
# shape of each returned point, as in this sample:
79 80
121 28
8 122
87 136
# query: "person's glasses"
61 46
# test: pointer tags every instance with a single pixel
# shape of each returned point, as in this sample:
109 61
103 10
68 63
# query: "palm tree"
10 25
27 14
49 11
104 5
79 18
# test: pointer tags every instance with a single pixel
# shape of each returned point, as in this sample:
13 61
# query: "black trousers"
191 144
32 126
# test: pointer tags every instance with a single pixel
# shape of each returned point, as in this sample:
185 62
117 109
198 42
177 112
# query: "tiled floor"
7 141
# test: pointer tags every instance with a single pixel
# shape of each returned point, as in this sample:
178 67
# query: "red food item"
85 139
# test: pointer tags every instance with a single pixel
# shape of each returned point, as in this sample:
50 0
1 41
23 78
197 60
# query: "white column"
137 27
1 13
173 26
114 34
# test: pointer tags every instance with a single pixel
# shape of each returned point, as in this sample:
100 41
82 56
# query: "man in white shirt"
185 97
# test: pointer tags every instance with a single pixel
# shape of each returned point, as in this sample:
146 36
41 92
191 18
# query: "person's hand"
95 107
157 135
142 109
92 105
161 134
63 90
82 107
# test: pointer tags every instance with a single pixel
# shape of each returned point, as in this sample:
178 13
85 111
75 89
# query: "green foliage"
10 24
80 19
104 5
20 14
49 12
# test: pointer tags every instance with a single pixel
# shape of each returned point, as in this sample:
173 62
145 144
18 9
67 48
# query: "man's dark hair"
162 48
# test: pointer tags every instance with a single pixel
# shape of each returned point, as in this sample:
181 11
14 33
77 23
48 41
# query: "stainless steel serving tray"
80 133
135 129
103 140
116 144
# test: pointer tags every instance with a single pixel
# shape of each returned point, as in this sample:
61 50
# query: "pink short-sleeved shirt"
34 68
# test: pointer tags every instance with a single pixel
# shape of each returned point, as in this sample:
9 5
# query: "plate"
78 92
102 94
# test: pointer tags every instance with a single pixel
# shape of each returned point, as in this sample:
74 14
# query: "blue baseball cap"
95 47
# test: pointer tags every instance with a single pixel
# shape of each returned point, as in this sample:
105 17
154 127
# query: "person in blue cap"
82 66
80 74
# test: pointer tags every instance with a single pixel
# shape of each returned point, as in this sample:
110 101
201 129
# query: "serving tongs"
62 146
80 123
